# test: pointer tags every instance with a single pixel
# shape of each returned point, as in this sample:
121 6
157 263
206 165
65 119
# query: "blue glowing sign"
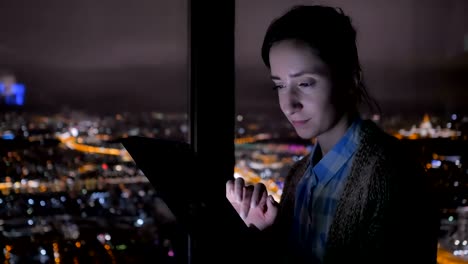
13 94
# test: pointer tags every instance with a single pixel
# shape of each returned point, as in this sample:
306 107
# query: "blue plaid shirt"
318 193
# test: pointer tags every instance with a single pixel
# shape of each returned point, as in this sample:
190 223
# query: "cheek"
327 111
282 102
323 101
318 106
312 104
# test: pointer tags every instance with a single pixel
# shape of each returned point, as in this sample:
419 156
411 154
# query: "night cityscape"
75 79
70 194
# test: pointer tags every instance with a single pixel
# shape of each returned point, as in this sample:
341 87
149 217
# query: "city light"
91 181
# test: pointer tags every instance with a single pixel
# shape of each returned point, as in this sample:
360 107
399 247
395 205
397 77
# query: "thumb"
272 206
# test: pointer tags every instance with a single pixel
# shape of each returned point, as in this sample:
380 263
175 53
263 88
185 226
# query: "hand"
252 203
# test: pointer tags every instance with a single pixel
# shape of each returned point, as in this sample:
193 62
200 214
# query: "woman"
358 196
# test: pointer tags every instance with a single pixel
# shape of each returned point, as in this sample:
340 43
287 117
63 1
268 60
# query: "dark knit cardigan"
385 214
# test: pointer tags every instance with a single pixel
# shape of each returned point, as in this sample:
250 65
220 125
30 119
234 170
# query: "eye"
278 86
306 84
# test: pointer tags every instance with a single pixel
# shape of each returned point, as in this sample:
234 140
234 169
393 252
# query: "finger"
258 192
271 211
246 199
263 201
272 200
230 190
238 189
272 205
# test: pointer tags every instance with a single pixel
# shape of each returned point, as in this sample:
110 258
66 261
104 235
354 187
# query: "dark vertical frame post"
212 110
212 78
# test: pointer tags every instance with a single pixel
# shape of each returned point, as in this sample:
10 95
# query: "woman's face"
304 88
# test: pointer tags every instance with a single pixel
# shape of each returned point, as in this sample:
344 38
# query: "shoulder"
384 159
373 137
300 164
379 145
294 174
389 164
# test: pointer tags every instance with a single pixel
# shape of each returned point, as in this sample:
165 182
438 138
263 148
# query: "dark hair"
330 33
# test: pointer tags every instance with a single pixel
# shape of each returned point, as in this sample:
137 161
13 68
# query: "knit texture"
385 214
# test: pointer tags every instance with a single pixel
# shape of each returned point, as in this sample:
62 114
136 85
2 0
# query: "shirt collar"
334 160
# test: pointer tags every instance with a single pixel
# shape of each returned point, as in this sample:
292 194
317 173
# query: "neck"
329 139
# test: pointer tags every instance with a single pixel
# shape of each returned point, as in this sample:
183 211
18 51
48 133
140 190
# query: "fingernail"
242 215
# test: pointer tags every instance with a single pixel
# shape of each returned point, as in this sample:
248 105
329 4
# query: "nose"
291 101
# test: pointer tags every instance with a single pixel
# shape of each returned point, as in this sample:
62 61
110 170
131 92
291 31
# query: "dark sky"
120 54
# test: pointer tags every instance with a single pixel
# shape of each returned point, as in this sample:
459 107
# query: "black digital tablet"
171 168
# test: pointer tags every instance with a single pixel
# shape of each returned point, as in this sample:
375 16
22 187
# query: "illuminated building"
426 130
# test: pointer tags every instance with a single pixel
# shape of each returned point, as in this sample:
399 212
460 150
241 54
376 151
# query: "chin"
307 135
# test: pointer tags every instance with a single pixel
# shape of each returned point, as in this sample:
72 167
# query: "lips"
299 122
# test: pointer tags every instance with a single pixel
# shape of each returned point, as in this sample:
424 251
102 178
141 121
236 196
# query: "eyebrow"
297 74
